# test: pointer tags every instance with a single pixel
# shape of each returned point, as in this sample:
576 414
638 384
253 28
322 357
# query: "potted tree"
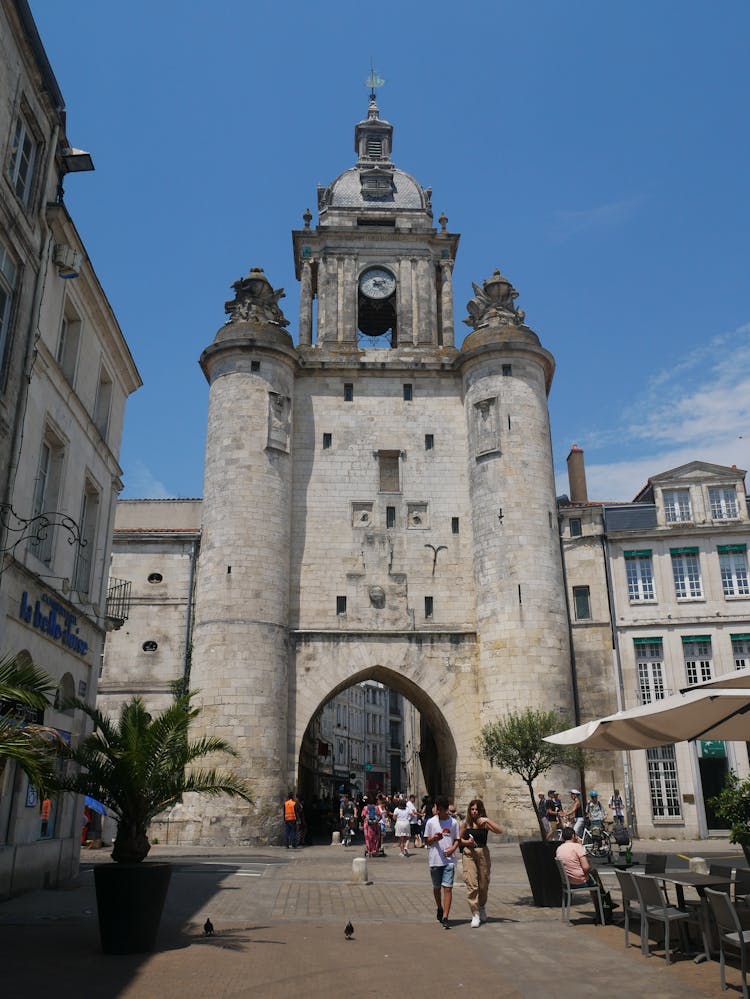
138 766
516 744
733 805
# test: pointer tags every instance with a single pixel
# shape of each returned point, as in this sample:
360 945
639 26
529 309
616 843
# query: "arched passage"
429 745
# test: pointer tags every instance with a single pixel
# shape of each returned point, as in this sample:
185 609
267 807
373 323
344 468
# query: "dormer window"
376 184
723 503
677 505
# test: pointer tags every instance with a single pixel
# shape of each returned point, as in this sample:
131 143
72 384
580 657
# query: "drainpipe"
189 613
573 669
28 361
619 684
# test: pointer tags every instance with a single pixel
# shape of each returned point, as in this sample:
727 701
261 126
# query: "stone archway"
438 748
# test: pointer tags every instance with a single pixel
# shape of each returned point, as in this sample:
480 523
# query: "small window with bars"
374 147
576 528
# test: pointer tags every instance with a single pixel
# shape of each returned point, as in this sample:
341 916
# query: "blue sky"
597 153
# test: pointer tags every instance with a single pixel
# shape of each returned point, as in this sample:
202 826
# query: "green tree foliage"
733 805
516 743
26 688
140 765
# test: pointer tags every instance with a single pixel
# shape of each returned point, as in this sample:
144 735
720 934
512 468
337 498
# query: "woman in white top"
401 816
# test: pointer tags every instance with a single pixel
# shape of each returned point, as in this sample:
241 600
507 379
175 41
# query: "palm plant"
26 689
140 765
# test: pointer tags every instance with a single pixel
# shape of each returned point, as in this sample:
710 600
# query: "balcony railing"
118 598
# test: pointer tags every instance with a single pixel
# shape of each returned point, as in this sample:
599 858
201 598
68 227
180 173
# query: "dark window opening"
155 577
582 603
428 607
327 440
576 528
454 525
348 392
429 442
507 370
390 516
255 365
150 646
341 605
408 393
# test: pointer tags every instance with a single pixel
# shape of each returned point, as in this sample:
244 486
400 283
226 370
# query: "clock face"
377 282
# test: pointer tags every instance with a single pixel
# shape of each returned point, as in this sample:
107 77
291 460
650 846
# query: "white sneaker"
475 920
482 915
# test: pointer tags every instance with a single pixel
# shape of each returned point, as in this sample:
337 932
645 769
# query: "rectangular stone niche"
417 516
361 514
279 421
486 427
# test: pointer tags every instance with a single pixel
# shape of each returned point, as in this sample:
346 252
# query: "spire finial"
373 81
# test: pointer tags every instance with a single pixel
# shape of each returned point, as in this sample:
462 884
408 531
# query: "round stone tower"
522 629
240 638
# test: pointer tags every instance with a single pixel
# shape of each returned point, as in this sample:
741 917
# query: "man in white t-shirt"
441 836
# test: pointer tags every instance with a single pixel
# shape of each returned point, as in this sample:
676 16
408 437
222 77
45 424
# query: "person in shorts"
441 837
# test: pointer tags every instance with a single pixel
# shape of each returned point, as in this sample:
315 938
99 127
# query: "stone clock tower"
377 504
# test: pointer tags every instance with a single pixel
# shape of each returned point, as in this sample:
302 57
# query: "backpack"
372 816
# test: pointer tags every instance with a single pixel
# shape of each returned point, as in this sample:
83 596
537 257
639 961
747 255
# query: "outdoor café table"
690 879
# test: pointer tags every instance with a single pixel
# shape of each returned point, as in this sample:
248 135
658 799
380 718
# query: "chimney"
577 476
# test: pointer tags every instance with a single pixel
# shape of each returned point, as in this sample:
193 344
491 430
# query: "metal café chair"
569 891
742 885
630 903
656 863
731 935
654 908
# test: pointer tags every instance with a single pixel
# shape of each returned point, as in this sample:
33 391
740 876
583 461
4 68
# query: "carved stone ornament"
255 299
377 596
494 300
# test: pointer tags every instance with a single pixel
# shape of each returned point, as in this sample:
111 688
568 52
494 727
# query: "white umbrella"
740 678
702 713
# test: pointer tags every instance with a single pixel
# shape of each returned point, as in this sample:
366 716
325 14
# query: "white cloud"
698 409
142 483
570 223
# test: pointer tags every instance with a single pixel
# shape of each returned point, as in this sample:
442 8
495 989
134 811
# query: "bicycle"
598 844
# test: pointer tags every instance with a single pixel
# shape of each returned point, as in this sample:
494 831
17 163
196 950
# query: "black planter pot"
541 870
130 899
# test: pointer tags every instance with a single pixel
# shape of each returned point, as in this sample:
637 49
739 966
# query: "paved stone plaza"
279 917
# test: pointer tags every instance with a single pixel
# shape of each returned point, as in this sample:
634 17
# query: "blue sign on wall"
54 620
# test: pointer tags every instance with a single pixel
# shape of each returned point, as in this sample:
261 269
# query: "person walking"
371 826
574 816
441 837
290 821
402 820
618 808
476 854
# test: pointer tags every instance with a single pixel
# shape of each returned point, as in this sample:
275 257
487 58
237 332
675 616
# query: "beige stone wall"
335 487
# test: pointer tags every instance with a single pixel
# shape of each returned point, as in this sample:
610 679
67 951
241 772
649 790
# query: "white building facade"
66 374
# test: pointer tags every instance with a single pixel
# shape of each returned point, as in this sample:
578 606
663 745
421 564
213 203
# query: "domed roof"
346 191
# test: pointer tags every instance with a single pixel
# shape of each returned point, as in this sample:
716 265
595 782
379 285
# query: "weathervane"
373 81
